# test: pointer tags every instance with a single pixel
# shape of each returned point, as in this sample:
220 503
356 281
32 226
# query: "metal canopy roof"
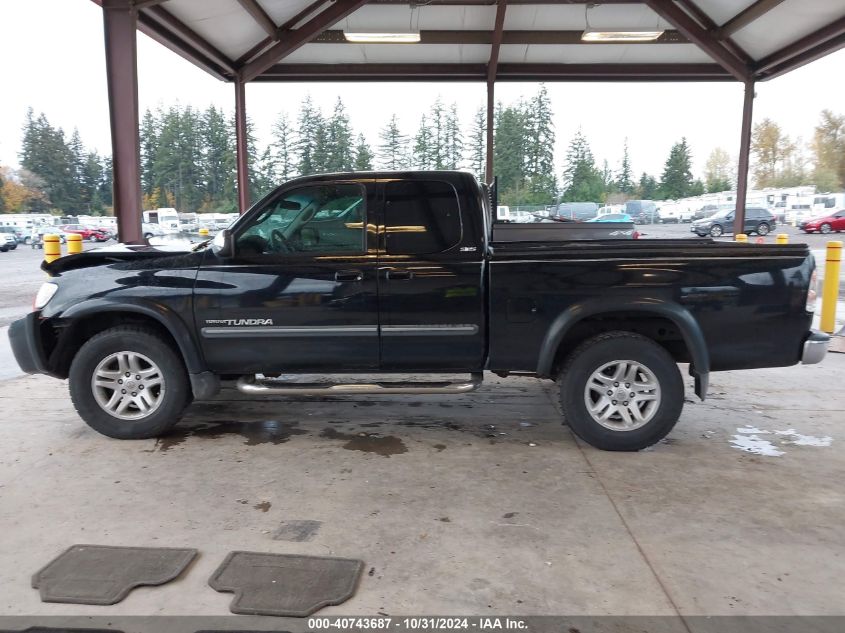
494 40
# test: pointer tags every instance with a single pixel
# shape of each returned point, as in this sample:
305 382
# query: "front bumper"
815 348
24 335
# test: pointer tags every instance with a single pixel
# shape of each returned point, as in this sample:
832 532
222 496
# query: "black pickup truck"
406 273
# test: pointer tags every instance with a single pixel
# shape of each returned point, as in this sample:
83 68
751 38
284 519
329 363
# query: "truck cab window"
319 219
421 217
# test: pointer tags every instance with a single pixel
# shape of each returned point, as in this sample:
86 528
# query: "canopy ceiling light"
375 37
622 35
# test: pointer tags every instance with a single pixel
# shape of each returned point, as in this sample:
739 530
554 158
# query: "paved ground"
477 504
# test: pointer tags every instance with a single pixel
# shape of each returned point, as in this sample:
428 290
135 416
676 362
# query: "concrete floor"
476 504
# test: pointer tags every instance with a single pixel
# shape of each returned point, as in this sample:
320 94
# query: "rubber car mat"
285 584
102 574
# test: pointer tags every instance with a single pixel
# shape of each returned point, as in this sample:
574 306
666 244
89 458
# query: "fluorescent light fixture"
627 35
382 37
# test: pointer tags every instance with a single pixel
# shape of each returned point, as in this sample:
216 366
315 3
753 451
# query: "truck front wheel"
621 391
128 383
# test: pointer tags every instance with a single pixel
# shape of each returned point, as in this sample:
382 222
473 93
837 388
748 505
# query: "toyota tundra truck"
366 275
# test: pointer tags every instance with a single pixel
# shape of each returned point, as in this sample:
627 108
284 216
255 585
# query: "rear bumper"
25 339
815 348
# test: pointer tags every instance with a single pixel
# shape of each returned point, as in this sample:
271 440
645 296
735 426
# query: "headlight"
812 292
45 293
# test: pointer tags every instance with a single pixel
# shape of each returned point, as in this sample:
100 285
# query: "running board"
280 387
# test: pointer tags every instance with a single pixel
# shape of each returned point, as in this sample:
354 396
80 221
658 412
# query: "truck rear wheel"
128 383
621 391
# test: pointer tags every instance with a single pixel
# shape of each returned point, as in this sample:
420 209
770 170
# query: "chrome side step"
248 384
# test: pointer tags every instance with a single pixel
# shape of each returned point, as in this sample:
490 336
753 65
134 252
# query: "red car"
87 233
835 221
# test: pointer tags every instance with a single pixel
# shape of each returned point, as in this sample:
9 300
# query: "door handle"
399 275
349 275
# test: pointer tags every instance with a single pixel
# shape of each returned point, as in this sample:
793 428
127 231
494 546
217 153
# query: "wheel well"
67 340
660 329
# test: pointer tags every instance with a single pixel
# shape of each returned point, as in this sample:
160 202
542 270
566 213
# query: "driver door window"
325 219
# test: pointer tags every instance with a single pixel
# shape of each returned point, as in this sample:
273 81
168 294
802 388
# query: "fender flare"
172 322
677 314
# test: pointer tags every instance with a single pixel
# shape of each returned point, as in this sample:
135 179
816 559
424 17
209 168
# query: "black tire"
825 228
763 228
176 395
606 348
716 230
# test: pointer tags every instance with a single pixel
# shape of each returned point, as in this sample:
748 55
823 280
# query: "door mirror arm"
223 244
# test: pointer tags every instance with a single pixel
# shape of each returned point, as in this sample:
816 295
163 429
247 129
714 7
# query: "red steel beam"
260 16
744 154
498 32
260 46
119 29
241 146
746 17
694 32
153 29
810 55
187 34
709 25
811 41
505 72
491 136
540 38
292 40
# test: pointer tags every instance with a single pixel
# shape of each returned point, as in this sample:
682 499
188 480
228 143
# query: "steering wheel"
279 242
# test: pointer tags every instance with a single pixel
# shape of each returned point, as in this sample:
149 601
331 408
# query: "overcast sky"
53 60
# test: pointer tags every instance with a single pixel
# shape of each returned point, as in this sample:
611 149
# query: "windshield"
723 213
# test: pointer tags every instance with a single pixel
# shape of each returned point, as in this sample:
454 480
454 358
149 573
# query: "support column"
119 23
488 172
744 152
241 146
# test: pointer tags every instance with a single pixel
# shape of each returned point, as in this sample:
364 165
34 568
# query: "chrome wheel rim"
716 231
128 385
622 395
825 228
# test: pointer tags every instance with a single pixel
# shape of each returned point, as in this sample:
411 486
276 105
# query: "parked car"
757 220
577 211
612 217
833 222
301 285
8 242
643 211
88 233
15 235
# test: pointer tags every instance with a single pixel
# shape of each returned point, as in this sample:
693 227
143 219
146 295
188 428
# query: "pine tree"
218 162
454 141
437 128
363 155
582 182
647 189
508 153
677 173
393 148
424 151
149 147
477 154
541 183
339 141
624 178
309 123
283 148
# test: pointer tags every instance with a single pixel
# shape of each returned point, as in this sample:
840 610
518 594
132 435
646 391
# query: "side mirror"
223 244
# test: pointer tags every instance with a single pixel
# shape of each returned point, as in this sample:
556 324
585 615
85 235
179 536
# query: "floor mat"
100 574
285 584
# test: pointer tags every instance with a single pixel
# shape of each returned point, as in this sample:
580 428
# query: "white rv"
166 218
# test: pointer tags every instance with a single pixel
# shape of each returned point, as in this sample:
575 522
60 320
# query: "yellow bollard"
741 237
203 231
782 238
52 248
830 290
74 243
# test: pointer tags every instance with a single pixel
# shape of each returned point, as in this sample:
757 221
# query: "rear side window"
422 217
